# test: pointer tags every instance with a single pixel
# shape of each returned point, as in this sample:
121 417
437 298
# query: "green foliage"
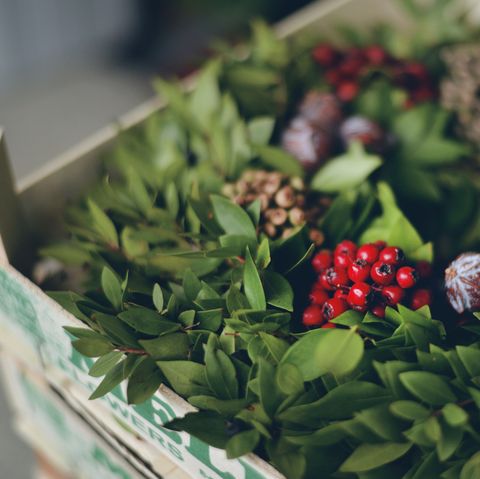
182 289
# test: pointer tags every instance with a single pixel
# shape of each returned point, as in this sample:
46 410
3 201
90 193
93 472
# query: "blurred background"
69 67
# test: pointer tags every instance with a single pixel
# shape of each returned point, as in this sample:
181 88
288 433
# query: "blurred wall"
37 35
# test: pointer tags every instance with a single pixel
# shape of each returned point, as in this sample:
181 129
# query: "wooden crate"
31 324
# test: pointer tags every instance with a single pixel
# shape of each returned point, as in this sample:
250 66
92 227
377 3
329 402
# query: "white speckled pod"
462 282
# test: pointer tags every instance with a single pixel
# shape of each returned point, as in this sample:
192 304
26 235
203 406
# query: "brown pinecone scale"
285 202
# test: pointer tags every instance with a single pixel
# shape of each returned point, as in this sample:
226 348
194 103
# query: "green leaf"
252 284
236 300
339 403
232 218
449 442
228 407
194 423
186 377
454 415
167 347
267 347
157 297
112 379
112 288
242 443
105 363
116 329
144 382
370 456
260 129
346 171
270 395
278 291
220 373
69 253
409 410
471 468
102 224
147 321
191 285
428 387
92 348
263 254
280 160
289 379
470 357
301 352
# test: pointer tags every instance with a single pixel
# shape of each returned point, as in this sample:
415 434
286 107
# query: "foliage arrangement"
198 251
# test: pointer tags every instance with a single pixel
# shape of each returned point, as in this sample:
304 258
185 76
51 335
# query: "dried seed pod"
462 282
317 236
285 198
276 216
270 230
322 110
367 132
310 146
296 216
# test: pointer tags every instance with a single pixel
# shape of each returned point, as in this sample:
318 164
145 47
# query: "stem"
125 349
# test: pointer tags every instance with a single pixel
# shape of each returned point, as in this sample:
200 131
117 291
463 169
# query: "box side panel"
50 426
13 234
27 313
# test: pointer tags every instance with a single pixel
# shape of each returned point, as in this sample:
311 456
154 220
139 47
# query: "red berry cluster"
366 278
345 68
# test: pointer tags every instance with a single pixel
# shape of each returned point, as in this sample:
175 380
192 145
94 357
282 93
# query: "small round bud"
285 198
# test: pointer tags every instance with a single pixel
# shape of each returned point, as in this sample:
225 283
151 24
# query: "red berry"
340 294
359 296
359 270
393 294
322 260
379 310
391 255
424 269
421 297
347 90
351 67
337 277
376 55
334 307
323 282
368 252
318 296
344 254
346 246
324 54
313 316
382 273
343 260
407 277
329 325
333 77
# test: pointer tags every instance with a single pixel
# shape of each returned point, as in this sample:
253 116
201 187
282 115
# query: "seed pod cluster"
284 202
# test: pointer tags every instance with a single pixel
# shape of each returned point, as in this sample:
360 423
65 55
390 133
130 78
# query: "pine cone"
285 202
310 135
459 92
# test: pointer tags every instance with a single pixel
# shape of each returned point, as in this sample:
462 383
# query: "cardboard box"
63 437
31 324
